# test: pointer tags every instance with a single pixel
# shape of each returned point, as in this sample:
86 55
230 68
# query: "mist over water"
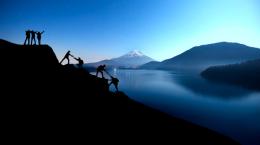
227 109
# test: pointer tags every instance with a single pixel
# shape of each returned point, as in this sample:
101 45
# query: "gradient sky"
161 29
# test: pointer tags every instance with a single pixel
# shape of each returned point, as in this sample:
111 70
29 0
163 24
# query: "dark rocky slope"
43 101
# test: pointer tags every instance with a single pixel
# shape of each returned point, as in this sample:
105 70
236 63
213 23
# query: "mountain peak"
131 59
134 53
204 56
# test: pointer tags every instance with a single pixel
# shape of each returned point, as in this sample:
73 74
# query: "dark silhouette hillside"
47 102
244 74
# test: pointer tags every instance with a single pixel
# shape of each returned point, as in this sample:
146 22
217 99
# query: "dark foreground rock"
44 102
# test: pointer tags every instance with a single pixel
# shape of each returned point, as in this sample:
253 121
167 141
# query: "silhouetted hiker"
39 36
28 34
66 56
114 81
33 37
81 62
100 69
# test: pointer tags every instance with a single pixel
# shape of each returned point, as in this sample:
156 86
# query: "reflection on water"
228 109
203 87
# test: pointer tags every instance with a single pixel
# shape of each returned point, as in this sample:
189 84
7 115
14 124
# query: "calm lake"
227 109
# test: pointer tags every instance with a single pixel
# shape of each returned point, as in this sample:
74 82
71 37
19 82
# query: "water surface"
227 109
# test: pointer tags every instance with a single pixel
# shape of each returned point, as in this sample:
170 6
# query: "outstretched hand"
73 56
107 73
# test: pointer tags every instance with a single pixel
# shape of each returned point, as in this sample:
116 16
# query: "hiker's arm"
73 57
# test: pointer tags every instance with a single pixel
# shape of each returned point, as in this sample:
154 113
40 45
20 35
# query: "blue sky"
100 29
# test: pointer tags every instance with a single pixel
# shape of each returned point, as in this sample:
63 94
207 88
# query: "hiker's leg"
62 60
28 41
25 41
116 88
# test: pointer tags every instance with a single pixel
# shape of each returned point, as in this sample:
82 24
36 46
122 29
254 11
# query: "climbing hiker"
100 69
80 62
114 81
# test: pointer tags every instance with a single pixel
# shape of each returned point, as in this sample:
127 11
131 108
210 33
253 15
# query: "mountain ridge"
203 56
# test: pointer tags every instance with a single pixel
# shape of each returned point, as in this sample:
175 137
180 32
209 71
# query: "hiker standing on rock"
33 37
39 36
28 37
66 57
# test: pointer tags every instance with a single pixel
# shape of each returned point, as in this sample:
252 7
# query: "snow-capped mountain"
131 59
134 53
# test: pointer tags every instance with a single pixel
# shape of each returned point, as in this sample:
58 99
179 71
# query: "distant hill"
201 57
132 59
245 74
151 65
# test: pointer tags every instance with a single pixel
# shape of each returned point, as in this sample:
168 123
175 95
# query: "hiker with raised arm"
39 36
